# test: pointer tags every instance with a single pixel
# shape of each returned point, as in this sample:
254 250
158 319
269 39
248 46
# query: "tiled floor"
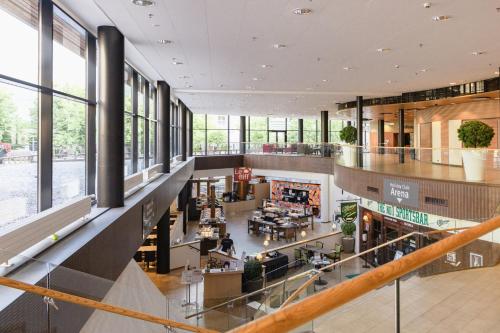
465 301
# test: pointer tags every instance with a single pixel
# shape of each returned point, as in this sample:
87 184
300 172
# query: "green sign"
404 214
349 211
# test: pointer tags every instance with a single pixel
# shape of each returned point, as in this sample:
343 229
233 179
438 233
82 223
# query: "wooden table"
149 248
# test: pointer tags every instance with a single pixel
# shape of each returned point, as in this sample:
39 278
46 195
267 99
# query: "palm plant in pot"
475 136
349 135
348 229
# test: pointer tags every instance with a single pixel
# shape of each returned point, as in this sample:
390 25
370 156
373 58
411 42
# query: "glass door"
277 136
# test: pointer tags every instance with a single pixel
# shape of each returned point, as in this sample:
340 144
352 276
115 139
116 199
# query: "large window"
199 134
234 134
19 38
43 159
18 153
310 130
292 130
217 134
128 120
335 128
140 122
258 129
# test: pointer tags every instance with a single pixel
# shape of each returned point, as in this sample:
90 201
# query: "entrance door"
391 233
277 136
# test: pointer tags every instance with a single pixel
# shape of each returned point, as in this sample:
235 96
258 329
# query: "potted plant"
348 229
475 136
252 276
349 135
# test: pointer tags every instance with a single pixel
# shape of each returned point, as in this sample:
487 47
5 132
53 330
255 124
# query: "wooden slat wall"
466 201
487 111
290 163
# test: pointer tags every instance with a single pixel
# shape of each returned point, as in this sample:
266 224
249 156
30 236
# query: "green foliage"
348 228
349 134
7 110
475 134
252 270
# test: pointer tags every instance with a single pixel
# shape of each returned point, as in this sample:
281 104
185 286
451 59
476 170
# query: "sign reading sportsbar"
404 214
424 219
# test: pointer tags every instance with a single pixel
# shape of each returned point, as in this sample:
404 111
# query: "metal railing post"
397 305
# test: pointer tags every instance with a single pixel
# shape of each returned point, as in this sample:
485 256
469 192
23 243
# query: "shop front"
381 223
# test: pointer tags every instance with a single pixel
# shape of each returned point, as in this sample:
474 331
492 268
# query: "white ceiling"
223 43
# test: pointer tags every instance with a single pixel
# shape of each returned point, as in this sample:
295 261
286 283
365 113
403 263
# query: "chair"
319 244
149 256
336 254
138 256
299 260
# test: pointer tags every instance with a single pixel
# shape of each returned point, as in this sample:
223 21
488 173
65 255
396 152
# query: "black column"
45 107
111 117
401 135
163 244
243 135
163 96
90 130
190 123
359 122
300 134
182 206
183 131
380 135
324 126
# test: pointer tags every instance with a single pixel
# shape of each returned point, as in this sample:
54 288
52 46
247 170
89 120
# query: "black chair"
138 256
149 256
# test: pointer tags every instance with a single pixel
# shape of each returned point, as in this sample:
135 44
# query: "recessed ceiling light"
189 86
396 66
427 5
497 73
383 49
477 53
279 46
266 66
423 70
389 81
175 62
452 83
325 80
302 11
348 68
255 79
183 77
441 18
144 3
164 41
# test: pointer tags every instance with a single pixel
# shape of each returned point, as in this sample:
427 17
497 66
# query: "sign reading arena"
402 193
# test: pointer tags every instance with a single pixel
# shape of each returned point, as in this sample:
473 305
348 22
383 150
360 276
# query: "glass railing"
445 286
455 164
310 277
130 291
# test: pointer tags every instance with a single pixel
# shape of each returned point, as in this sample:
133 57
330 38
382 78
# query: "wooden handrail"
300 313
68 298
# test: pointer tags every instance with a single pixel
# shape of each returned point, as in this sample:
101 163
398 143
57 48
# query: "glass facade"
44 112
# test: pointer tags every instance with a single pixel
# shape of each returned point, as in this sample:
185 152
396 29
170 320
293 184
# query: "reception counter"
236 207
222 285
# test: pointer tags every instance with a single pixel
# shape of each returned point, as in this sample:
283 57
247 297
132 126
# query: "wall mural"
295 195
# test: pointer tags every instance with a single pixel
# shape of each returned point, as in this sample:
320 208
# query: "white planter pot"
474 161
349 156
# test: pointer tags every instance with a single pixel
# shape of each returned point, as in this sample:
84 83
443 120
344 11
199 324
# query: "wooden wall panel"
487 111
426 141
466 201
290 163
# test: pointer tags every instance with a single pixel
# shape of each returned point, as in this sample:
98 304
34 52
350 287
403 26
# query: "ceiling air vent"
436 201
372 189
